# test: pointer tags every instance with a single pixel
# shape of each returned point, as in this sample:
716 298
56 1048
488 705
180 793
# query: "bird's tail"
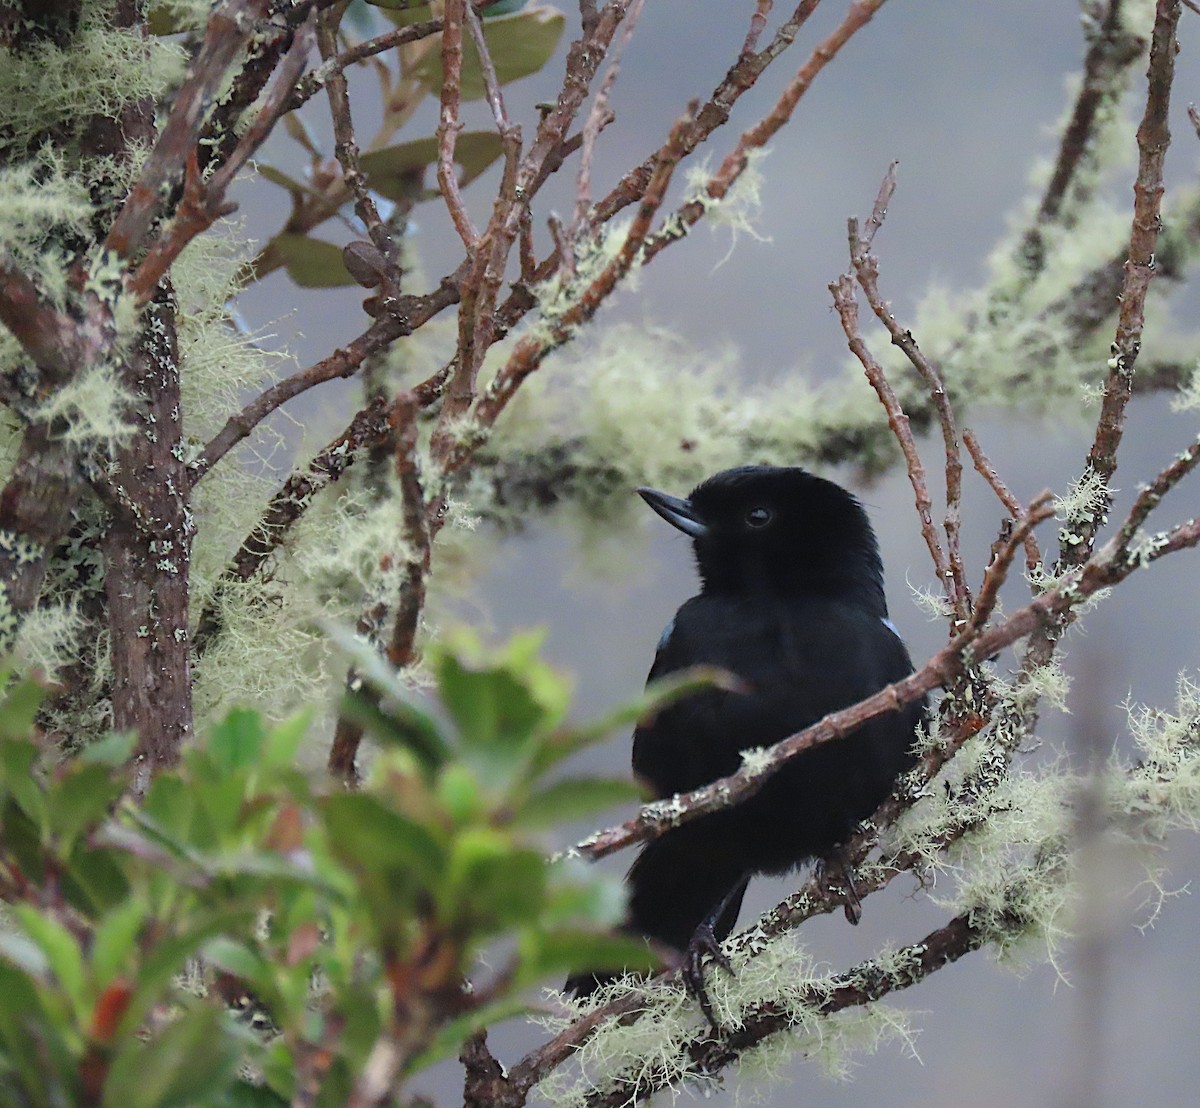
675 884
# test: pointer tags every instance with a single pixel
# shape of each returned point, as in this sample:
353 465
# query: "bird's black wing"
798 662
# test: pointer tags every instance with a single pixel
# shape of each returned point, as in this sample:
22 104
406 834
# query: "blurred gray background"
966 96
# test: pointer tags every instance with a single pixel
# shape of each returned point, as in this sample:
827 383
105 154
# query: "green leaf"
369 836
236 742
284 739
458 791
657 696
192 1062
312 263
570 951
404 12
278 177
236 958
519 45
242 1095
21 952
581 895
94 882
81 800
61 950
21 703
394 171
493 883
21 779
116 936
113 750
39 1069
169 803
399 725
488 704
574 798
166 960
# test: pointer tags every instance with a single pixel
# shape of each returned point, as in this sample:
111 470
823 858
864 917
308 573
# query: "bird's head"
779 529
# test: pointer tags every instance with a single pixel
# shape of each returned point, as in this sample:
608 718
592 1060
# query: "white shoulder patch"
893 628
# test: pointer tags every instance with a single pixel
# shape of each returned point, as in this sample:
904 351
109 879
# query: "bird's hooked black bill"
678 513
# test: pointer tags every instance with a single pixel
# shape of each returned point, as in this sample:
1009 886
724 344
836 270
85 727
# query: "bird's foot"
837 870
703 944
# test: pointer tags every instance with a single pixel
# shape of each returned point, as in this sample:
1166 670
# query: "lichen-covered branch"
1153 139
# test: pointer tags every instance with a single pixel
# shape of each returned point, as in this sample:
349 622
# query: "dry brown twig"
449 124
1153 139
347 154
599 117
866 269
1033 555
204 201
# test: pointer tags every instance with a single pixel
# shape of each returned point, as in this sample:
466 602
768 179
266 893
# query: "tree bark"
147 551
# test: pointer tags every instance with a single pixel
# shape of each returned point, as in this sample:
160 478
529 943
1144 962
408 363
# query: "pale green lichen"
653 1049
44 206
48 639
90 411
740 209
46 89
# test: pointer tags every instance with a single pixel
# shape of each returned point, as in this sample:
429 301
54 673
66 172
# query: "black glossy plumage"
792 603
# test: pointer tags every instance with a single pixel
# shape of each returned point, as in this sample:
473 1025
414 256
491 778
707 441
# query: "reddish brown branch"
229 29
716 110
531 351
754 138
1033 555
369 428
847 309
1153 138
347 154
408 314
449 125
866 269
341 363
599 117
57 345
203 201
1111 50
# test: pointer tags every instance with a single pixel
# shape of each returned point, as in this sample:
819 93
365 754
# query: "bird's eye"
758 517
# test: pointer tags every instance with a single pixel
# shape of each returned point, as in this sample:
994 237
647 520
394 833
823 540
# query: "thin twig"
228 30
449 125
341 363
532 350
346 152
716 110
758 24
847 309
203 201
756 137
866 269
599 117
1153 139
1112 48
1033 555
1040 509
369 428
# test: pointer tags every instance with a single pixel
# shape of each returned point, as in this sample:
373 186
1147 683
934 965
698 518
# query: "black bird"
791 602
